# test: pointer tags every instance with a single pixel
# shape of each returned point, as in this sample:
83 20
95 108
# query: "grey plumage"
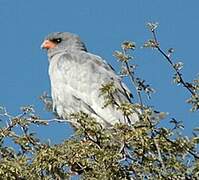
76 77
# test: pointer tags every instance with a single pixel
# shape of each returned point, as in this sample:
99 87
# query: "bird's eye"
56 40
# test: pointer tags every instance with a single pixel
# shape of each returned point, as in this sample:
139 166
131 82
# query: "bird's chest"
56 76
63 71
66 76
71 77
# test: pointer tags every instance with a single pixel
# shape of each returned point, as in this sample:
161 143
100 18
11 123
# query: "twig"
156 144
133 81
186 85
174 143
48 120
159 153
96 142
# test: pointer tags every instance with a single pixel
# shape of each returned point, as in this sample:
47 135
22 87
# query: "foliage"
144 150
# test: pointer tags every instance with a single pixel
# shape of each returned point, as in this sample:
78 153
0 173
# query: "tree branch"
157 46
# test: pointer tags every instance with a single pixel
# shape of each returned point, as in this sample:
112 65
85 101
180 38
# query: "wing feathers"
80 75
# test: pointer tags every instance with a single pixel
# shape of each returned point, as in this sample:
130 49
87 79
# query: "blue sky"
102 25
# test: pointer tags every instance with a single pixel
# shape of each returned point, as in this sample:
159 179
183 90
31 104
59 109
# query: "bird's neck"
53 52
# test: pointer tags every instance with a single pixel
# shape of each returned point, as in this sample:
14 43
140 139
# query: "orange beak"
47 44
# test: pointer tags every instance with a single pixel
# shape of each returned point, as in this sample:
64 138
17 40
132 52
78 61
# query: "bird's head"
62 41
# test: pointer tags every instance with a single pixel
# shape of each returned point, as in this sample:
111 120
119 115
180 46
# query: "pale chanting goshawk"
76 77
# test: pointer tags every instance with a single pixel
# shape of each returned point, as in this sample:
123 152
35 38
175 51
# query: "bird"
76 77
